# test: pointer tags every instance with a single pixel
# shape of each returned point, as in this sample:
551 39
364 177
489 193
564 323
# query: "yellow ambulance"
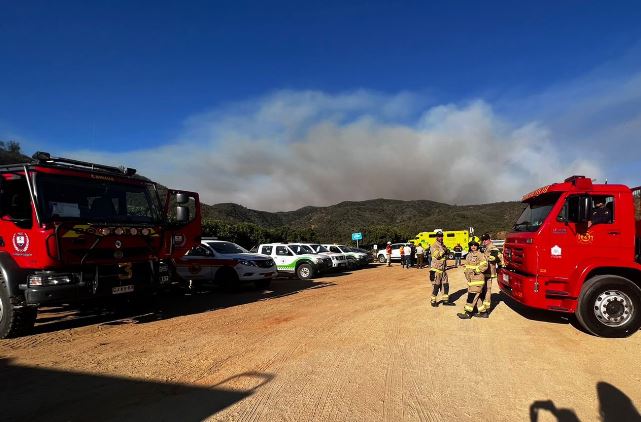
450 239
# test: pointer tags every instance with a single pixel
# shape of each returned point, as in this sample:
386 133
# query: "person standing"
475 266
494 259
388 253
438 272
420 256
401 250
407 249
458 252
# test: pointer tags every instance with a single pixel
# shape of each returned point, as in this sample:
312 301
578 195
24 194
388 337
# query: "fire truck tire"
305 272
382 259
610 306
14 321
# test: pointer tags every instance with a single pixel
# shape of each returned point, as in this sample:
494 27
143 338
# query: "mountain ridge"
378 216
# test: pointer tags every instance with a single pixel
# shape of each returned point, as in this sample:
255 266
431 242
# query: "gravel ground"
361 346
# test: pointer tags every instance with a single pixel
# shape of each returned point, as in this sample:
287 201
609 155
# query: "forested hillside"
379 220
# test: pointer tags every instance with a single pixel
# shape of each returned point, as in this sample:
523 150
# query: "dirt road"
363 346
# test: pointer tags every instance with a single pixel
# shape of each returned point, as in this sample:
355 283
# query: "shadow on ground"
536 314
53 395
614 406
166 305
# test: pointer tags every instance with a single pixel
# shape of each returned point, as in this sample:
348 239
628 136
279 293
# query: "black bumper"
144 278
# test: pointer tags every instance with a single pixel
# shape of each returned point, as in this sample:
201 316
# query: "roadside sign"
357 236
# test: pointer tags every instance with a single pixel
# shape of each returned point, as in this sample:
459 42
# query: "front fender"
584 268
12 274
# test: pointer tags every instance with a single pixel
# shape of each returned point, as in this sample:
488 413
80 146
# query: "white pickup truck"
396 252
296 259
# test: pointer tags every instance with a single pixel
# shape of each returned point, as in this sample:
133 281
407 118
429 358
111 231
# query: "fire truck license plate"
122 289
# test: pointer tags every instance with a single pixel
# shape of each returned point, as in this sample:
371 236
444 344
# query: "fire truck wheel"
305 272
14 321
610 306
382 259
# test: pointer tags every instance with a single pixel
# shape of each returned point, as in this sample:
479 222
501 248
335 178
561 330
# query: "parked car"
355 259
396 253
296 259
339 260
224 263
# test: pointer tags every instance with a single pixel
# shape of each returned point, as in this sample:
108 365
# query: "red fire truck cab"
576 249
72 230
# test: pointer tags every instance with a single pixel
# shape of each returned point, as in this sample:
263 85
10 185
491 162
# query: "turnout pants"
487 294
474 290
438 278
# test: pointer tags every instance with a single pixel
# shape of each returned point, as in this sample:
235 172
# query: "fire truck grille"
118 274
515 255
109 254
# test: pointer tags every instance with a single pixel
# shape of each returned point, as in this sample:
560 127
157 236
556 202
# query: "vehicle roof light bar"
45 158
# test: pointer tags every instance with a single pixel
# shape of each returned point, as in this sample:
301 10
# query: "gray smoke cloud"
290 149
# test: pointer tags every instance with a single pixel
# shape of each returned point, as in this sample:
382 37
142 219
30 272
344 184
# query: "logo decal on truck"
585 238
556 251
21 242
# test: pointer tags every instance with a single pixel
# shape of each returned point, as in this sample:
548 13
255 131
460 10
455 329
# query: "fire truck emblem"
21 241
585 238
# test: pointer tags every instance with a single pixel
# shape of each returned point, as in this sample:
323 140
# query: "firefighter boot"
482 312
464 315
446 295
433 300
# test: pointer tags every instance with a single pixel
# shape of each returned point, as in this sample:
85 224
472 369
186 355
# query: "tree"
13 147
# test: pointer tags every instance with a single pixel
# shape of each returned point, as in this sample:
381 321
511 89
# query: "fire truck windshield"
536 212
73 198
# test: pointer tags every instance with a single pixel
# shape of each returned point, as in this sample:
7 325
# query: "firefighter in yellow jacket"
494 259
438 274
475 267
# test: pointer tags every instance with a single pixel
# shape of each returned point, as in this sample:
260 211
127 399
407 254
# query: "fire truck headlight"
49 279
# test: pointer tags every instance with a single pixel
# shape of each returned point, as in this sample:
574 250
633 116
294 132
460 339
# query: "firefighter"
494 259
475 266
438 274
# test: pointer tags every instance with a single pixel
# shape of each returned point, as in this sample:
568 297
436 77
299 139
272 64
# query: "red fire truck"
576 248
72 231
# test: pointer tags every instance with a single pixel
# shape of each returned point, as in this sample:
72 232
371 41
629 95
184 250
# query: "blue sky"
109 80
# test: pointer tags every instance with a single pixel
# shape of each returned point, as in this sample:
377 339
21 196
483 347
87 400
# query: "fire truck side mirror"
585 209
182 198
182 214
